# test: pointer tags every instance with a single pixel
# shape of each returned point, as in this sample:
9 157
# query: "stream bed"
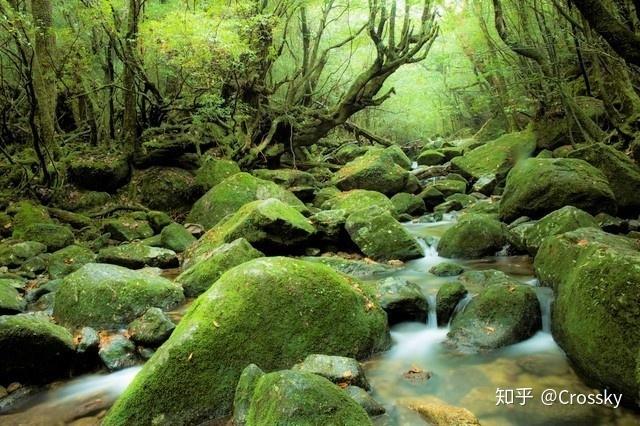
418 367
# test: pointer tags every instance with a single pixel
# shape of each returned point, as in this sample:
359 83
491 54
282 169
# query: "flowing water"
418 367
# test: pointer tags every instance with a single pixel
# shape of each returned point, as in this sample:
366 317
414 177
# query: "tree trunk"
130 119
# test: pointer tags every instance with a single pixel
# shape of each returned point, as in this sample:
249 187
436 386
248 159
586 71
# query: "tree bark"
130 118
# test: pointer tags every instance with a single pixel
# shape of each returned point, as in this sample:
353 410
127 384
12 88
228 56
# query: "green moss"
446 269
563 220
408 203
25 213
215 170
474 236
69 259
227 197
352 201
375 171
99 171
166 188
302 399
354 268
53 236
175 237
138 255
126 228
288 178
447 187
152 328
431 157
536 187
380 236
272 312
204 269
448 297
10 300
402 300
244 393
109 296
596 278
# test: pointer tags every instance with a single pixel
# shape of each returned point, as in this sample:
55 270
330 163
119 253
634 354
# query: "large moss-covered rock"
127 228
10 300
538 186
302 399
109 296
402 300
329 226
474 236
53 236
563 220
69 259
138 255
596 278
166 188
25 214
33 349
215 170
358 199
340 370
431 157
176 237
291 179
380 236
447 187
13 255
269 225
271 312
375 171
622 173
447 299
500 315
99 171
207 266
496 157
364 269
408 204
234 192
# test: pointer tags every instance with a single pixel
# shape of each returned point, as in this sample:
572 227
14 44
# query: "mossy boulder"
110 296
496 157
269 225
596 280
374 171
234 192
324 194
15 254
446 269
340 370
476 281
69 259
431 197
500 315
349 152
621 172
402 300
448 297
294 180
365 400
10 300
431 157
303 399
33 350
447 187
351 201
272 312
563 220
244 393
215 170
138 255
166 188
398 156
99 171
329 226
474 236
127 228
204 269
151 329
380 236
355 268
176 237
118 352
537 186
25 214
53 236
405 203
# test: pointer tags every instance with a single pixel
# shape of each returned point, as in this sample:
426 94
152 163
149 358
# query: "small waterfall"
432 317
462 304
545 297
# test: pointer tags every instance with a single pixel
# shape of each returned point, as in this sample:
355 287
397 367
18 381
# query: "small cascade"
460 307
545 297
432 317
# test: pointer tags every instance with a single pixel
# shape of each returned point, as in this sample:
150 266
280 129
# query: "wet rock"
234 192
269 225
446 269
158 220
431 157
110 296
166 188
500 315
496 157
176 237
137 255
374 171
474 236
438 413
117 352
381 237
10 300
69 259
151 329
297 398
446 187
354 268
401 300
205 269
215 170
621 172
596 280
302 184
33 350
405 203
99 172
536 187
608 223
53 236
448 297
126 228
88 341
329 226
358 199
560 221
251 316
249 378
340 370
478 280
366 401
